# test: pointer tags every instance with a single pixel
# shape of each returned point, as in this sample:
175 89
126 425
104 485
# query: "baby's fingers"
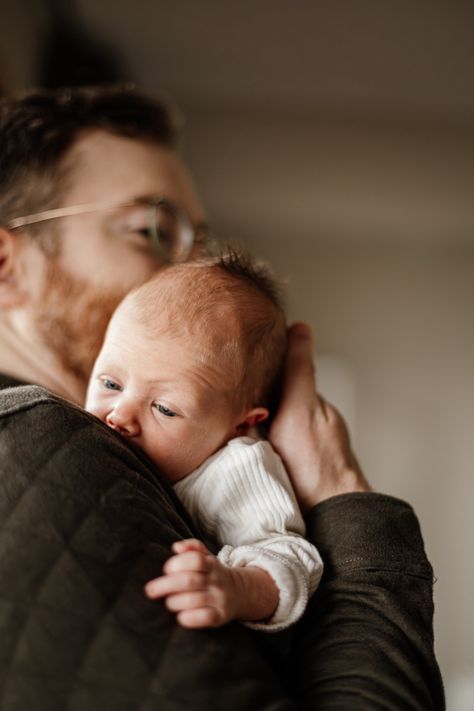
200 617
183 582
189 544
191 560
188 601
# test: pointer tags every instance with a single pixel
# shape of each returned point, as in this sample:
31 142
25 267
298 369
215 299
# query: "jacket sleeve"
366 640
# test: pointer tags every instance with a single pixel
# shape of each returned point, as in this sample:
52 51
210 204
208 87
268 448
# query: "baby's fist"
196 585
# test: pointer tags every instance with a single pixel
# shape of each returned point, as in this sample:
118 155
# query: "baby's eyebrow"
161 381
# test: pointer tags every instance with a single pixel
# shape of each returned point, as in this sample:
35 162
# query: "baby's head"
190 360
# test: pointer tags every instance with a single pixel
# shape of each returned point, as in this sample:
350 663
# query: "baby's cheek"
179 450
94 406
170 456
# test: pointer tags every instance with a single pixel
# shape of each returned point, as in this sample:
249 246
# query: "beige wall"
370 214
373 224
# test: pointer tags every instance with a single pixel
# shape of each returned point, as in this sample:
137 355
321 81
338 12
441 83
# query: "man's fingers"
325 410
299 381
332 417
174 584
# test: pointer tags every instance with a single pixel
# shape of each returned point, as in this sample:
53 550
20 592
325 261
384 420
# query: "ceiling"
397 57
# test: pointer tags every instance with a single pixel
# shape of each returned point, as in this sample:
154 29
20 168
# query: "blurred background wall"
335 138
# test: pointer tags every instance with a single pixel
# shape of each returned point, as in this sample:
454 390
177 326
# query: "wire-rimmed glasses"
171 233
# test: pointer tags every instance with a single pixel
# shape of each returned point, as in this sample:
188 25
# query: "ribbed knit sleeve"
243 498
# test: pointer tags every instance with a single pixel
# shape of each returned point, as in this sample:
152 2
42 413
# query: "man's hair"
230 309
39 128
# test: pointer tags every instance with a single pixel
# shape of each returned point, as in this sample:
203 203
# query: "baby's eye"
110 384
165 410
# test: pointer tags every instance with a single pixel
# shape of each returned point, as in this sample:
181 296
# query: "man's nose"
123 420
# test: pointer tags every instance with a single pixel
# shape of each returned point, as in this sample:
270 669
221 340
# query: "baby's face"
158 392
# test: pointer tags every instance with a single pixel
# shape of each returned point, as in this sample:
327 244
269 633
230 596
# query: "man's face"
103 254
159 392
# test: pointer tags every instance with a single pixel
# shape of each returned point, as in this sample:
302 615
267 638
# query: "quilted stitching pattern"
84 522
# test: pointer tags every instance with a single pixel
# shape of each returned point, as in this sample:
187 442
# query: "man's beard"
71 318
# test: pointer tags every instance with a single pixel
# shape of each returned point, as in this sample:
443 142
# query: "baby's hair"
230 307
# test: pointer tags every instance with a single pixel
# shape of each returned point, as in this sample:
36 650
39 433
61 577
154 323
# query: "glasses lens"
173 232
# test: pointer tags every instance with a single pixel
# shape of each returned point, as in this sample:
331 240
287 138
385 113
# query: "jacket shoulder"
23 397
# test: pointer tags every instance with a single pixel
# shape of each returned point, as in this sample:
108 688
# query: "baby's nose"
127 426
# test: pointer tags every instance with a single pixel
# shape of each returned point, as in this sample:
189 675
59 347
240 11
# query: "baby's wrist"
255 594
236 592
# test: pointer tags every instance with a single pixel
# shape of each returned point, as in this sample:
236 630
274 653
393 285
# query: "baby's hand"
197 586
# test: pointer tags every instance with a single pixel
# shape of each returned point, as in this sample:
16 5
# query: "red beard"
71 318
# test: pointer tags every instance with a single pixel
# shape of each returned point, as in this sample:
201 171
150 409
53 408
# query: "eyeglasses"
169 228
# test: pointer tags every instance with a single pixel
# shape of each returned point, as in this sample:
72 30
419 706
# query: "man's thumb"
299 378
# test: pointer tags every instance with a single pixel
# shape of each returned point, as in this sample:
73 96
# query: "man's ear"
10 294
252 419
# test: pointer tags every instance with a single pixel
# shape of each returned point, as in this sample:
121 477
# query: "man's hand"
196 586
309 434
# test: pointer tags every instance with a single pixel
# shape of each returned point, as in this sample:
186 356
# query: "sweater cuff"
289 576
364 530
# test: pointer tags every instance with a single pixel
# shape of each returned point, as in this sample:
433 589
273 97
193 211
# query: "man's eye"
165 411
143 231
110 384
133 230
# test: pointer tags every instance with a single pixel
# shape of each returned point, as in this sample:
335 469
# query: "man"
93 198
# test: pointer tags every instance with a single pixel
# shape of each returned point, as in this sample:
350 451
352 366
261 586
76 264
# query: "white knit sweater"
242 497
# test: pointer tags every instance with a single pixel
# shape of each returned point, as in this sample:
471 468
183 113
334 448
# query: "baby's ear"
252 419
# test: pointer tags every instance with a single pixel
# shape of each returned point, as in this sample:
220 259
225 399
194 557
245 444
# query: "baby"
186 370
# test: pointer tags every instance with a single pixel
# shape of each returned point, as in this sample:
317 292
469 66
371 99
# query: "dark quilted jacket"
86 520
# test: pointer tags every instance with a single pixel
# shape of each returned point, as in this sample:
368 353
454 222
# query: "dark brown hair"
38 129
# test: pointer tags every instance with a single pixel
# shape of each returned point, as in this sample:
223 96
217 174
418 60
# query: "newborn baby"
187 369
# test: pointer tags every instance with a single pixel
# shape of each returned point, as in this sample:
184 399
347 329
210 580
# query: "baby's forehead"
227 324
178 363
186 308
208 338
